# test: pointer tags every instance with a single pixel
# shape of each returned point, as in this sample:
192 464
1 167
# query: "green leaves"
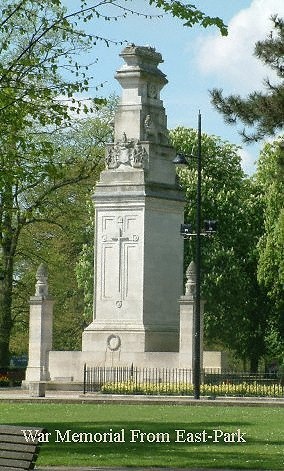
229 259
38 40
269 177
262 111
190 14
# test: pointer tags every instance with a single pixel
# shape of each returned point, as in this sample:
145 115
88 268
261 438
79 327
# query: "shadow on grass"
157 445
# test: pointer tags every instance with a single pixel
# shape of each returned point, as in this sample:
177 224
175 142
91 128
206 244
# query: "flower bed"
11 376
4 381
224 389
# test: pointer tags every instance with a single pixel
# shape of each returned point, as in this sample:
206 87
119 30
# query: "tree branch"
18 7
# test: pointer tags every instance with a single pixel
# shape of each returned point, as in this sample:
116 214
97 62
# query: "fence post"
84 390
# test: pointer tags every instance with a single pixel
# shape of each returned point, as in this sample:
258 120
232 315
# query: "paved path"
22 395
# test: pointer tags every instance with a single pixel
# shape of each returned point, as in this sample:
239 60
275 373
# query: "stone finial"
138 55
140 113
141 62
190 284
41 284
141 65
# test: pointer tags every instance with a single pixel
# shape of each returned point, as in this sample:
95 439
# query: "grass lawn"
263 428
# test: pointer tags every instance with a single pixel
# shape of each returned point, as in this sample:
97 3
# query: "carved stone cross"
123 240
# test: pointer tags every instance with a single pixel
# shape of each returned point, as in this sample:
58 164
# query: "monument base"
125 339
67 367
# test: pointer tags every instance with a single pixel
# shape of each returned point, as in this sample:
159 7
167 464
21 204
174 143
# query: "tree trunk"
254 361
9 238
6 287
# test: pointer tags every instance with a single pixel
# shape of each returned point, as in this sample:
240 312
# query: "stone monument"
138 211
141 316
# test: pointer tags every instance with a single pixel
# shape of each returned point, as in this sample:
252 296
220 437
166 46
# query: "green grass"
264 428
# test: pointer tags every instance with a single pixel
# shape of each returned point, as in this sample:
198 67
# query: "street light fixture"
180 159
186 231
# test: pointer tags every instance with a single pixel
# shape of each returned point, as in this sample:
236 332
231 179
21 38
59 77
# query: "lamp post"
180 159
196 364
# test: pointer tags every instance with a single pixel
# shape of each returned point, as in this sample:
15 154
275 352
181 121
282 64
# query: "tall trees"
60 231
38 41
35 192
29 87
269 177
229 259
262 110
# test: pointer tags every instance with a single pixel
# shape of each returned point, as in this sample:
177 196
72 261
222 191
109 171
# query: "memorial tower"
138 211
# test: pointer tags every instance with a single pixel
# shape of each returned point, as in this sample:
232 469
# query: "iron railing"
178 381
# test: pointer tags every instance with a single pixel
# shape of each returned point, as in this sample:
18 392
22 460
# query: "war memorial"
142 314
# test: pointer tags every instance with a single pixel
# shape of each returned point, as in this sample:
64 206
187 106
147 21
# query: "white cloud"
231 58
248 161
76 105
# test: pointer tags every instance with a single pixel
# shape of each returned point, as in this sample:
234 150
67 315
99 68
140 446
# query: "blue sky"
195 59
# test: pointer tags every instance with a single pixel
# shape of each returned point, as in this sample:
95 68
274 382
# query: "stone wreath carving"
113 342
128 153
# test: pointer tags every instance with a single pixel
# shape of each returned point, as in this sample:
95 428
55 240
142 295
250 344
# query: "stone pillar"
138 211
40 334
187 311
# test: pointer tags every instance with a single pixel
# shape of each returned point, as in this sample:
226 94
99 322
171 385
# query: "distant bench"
16 453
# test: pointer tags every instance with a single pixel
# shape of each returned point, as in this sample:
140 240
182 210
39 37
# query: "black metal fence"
178 381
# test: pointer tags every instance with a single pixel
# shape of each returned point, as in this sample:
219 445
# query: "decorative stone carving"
155 128
152 90
149 127
41 287
119 247
139 156
113 342
126 153
190 286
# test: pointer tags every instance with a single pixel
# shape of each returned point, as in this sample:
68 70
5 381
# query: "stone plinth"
187 326
40 331
37 389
